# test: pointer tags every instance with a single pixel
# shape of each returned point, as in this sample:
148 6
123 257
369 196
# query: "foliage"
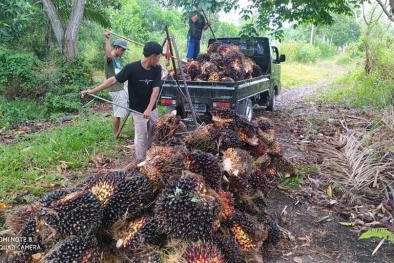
309 53
20 75
49 154
379 233
77 73
301 172
374 89
15 18
17 111
64 99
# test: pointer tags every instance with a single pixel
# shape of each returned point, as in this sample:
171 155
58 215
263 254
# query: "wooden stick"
127 39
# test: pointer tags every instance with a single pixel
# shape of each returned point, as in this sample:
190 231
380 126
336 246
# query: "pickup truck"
240 95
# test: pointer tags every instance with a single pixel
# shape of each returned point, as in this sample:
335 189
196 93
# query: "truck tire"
245 108
272 102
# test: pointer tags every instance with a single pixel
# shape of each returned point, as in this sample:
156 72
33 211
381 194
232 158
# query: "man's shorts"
121 98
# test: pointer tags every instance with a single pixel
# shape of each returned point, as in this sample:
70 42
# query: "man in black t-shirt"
197 24
144 80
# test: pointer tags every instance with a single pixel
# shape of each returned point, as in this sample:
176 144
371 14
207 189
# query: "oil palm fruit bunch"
275 149
202 57
162 163
166 126
233 57
121 193
265 131
247 131
229 248
75 249
216 59
224 138
262 181
225 118
73 214
251 203
209 68
144 254
206 165
201 77
226 201
199 139
235 71
262 162
274 232
202 251
16 217
193 68
227 79
247 231
16 257
214 77
238 162
248 64
136 233
184 210
213 47
257 71
224 49
283 166
258 150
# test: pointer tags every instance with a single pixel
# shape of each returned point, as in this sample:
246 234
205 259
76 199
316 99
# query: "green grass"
358 90
34 161
12 112
299 74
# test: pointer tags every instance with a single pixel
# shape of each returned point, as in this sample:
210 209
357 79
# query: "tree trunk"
70 41
54 20
312 33
67 39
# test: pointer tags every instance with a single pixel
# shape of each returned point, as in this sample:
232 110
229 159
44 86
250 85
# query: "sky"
233 16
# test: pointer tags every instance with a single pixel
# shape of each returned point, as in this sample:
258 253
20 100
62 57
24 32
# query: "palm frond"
379 233
96 16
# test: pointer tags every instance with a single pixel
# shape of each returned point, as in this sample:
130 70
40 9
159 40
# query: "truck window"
275 53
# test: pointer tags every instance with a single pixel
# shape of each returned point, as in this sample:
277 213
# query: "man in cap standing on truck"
144 80
197 24
112 67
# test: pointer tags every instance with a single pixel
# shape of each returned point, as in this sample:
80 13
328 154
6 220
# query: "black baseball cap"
152 48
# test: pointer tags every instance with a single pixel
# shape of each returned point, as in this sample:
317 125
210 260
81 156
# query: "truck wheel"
246 109
272 102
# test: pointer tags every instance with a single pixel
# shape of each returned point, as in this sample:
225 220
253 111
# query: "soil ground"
312 229
315 233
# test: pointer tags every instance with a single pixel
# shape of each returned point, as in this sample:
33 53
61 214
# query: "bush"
63 99
78 73
309 53
20 75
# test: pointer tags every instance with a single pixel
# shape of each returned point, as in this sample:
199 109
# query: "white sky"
233 16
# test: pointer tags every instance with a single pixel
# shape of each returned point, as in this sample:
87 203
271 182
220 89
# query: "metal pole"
184 82
203 12
130 110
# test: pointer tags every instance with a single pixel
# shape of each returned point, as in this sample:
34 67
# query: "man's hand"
88 91
147 113
107 33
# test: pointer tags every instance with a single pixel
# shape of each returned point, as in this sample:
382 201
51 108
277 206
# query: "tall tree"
272 14
66 36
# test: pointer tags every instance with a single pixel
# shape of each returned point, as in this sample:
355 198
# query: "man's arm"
152 101
106 84
108 52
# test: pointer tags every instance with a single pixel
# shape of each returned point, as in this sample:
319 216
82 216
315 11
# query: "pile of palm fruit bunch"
197 197
221 63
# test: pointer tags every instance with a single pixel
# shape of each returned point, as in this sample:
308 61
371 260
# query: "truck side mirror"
282 58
